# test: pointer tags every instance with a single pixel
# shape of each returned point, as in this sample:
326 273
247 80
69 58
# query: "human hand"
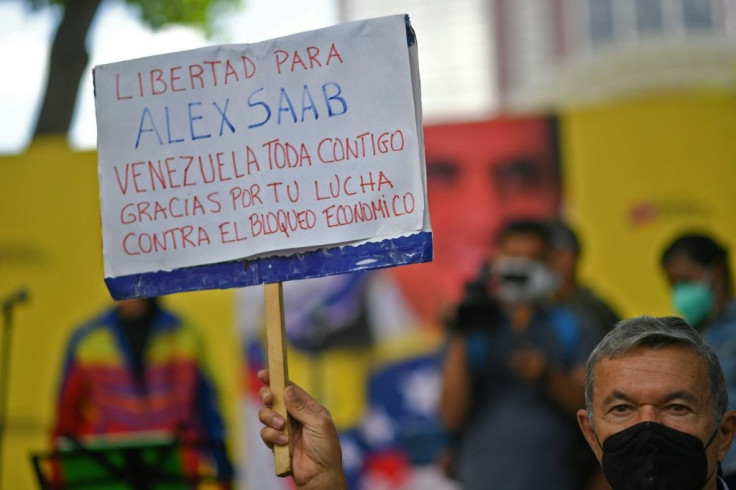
528 363
316 460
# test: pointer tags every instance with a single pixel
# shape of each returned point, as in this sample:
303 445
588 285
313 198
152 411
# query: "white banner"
228 152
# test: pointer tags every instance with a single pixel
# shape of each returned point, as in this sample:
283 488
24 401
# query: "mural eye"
520 174
442 172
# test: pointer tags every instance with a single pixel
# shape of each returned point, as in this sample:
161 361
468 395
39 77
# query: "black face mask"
650 456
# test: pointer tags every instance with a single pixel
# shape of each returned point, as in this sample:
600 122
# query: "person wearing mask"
655 414
480 175
514 357
656 407
698 272
138 370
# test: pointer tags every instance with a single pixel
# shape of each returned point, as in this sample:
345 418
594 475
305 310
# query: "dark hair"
702 250
562 236
656 333
526 227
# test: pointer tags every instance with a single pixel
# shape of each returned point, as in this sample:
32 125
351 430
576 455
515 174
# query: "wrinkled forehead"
651 373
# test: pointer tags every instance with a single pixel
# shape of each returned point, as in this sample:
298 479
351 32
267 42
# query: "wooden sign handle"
277 368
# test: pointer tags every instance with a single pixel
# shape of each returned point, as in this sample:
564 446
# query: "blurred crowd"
451 374
514 368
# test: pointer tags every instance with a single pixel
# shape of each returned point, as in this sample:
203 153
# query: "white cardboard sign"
235 151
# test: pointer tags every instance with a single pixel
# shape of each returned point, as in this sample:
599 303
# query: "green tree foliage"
157 13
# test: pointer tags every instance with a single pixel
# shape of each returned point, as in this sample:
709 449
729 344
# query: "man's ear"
586 426
726 433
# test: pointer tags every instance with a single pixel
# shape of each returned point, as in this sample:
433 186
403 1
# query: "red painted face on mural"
479 177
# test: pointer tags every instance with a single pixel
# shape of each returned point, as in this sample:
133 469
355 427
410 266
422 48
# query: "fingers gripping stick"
276 342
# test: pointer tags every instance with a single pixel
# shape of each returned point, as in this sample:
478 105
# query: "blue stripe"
404 250
411 37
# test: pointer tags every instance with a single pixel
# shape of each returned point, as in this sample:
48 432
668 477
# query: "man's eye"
520 174
620 409
679 408
442 172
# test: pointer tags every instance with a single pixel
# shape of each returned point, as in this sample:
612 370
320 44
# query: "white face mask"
522 279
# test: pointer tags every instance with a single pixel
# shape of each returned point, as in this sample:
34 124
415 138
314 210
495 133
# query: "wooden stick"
277 368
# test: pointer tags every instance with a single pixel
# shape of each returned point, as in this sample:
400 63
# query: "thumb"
303 407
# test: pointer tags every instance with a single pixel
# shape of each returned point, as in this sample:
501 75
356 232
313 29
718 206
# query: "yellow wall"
50 243
671 157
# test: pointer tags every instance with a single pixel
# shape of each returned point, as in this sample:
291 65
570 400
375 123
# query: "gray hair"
655 333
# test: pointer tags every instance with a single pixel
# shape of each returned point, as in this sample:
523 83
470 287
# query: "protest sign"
236 165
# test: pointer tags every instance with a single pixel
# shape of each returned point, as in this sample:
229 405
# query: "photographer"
514 371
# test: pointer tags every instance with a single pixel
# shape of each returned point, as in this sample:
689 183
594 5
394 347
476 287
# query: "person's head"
482 175
524 238
565 253
653 389
520 272
131 309
697 269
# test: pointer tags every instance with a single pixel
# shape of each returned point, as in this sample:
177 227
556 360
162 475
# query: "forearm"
334 479
566 388
455 396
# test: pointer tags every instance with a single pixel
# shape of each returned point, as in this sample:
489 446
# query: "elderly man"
656 407
656 413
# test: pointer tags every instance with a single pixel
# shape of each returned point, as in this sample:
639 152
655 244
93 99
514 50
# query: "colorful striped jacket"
99 394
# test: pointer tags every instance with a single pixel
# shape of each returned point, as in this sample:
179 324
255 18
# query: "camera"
478 308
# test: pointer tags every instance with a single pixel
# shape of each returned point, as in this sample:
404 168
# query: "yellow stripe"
99 347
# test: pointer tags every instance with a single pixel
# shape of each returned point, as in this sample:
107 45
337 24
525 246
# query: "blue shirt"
517 438
721 334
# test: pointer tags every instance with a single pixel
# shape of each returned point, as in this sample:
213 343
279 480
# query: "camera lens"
515 278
